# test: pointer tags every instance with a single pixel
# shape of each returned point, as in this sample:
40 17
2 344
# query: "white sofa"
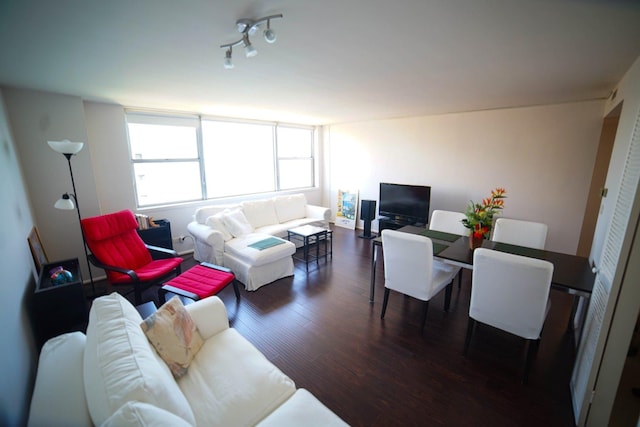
222 234
114 377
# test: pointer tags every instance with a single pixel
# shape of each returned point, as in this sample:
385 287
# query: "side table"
59 308
312 235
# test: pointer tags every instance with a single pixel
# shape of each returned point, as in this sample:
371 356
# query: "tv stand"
395 223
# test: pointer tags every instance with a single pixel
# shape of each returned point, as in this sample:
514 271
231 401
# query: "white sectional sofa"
223 234
113 376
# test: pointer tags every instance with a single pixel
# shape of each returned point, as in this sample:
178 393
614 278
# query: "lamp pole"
84 240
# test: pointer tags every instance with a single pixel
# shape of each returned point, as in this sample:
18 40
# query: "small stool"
199 282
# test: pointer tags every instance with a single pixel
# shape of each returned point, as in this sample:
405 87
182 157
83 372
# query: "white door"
602 307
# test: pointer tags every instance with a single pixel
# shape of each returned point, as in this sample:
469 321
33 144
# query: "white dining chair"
410 270
510 292
521 233
449 222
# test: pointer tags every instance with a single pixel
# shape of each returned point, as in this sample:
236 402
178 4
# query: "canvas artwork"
37 250
347 209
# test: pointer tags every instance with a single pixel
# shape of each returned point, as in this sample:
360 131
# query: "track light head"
249 50
227 60
269 35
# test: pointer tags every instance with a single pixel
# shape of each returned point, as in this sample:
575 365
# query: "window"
177 159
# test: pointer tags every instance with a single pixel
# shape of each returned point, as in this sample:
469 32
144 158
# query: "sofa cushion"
236 223
59 367
121 366
173 334
260 212
205 212
302 409
290 207
216 222
140 414
239 249
230 383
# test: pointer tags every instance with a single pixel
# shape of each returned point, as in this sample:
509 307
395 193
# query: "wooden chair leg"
447 296
236 290
459 278
531 349
384 302
162 295
137 294
470 327
425 309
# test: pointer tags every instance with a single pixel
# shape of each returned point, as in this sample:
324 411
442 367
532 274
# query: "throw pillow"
215 222
237 223
174 335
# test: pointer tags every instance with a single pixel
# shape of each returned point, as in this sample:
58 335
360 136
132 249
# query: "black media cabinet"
158 236
394 224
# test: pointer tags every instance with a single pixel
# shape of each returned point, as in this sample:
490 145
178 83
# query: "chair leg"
162 295
459 278
447 296
470 327
384 302
425 309
137 294
236 290
531 349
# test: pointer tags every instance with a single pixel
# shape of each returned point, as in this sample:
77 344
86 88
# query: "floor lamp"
69 201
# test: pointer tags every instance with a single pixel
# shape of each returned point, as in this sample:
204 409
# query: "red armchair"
116 247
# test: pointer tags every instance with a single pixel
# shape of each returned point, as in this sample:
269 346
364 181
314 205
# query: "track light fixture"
248 27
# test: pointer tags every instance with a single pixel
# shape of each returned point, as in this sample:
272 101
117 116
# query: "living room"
543 153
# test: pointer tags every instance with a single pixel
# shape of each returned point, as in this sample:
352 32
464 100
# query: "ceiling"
334 61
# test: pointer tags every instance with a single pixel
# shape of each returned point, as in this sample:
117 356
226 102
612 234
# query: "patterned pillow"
174 335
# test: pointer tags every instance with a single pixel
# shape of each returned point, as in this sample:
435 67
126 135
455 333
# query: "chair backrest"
408 263
114 241
510 292
448 222
521 233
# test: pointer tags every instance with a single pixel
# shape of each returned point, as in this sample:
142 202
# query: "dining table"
571 273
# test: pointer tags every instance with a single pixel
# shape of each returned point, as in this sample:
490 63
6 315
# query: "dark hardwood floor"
320 329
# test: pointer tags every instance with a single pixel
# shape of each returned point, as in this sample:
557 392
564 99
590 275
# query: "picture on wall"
37 250
347 209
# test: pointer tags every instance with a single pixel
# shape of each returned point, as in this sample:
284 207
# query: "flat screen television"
405 203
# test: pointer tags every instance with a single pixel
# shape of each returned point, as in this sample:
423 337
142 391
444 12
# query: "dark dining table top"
571 273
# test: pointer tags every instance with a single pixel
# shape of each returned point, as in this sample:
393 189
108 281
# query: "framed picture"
347 208
37 250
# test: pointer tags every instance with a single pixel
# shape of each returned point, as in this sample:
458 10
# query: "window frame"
169 118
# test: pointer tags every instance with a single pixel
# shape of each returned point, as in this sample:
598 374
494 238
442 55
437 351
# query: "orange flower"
479 217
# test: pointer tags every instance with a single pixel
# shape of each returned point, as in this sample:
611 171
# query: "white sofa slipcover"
114 377
221 234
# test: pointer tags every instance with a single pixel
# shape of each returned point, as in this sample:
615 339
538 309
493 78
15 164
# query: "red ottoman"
199 282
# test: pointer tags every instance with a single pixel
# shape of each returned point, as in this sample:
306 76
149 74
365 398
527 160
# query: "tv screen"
405 203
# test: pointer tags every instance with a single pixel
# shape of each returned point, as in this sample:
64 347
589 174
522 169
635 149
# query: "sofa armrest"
209 315
208 243
206 233
58 396
319 212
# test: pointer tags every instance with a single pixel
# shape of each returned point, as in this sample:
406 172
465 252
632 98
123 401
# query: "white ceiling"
334 60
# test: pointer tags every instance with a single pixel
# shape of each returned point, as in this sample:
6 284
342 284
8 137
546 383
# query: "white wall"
543 156
18 354
35 118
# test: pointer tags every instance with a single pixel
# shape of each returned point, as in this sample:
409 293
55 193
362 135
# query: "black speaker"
367 214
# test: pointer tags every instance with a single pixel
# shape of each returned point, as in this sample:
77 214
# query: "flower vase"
475 242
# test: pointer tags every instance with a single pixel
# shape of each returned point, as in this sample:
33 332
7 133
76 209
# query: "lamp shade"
64 203
65 146
270 35
250 51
